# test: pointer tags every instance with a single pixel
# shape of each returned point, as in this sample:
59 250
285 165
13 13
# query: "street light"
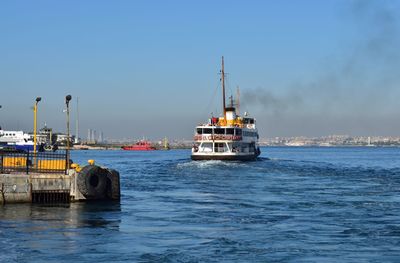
35 123
67 100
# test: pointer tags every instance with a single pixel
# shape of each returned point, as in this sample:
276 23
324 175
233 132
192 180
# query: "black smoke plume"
359 81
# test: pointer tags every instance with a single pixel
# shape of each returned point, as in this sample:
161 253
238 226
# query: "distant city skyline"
150 68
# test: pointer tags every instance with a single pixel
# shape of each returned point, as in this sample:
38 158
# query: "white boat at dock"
15 140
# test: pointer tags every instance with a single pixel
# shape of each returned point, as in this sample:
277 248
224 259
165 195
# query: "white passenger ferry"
16 140
230 137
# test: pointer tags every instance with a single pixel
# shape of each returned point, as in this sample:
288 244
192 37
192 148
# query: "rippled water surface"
292 205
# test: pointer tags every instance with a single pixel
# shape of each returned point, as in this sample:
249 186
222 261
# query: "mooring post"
27 162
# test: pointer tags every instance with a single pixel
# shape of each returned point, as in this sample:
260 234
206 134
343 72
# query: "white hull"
225 156
225 143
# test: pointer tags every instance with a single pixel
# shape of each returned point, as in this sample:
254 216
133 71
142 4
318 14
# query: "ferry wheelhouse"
230 137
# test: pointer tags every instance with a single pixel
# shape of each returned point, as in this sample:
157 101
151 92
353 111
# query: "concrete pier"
40 177
15 188
54 188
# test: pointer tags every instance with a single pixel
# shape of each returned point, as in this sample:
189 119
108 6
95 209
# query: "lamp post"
67 100
35 123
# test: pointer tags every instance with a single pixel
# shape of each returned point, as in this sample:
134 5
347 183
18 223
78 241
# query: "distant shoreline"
116 148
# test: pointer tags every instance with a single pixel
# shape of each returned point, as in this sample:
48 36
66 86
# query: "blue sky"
150 68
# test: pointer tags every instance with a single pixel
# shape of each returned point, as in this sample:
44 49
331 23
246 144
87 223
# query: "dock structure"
47 178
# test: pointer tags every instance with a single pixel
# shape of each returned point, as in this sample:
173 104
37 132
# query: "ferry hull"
24 148
20 147
199 157
138 148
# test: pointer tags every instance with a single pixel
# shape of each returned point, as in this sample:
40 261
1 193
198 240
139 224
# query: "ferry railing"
30 162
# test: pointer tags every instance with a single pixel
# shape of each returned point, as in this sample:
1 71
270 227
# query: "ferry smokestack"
230 114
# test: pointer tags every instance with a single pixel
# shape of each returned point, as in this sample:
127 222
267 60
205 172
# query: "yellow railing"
52 164
16 162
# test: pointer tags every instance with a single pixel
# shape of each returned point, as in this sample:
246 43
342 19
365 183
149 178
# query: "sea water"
292 205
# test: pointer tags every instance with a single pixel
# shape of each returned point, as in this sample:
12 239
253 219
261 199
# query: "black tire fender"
113 191
92 181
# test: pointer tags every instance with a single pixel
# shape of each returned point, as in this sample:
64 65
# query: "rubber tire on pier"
92 181
113 191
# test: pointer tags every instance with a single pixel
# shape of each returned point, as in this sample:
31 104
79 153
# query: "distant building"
62 139
91 139
45 136
100 137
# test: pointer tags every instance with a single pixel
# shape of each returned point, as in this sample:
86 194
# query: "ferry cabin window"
226 147
206 147
229 149
246 133
219 147
219 131
230 131
245 147
238 132
199 131
236 147
248 121
250 134
207 131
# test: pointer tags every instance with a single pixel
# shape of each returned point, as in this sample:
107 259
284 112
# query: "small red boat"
139 146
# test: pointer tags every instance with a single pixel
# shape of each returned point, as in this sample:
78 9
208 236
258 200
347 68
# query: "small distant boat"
139 146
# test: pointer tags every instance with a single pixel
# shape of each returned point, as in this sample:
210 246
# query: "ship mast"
238 100
223 87
77 121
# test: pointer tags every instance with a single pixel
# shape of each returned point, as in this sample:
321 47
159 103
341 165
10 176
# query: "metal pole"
67 100
77 120
68 127
35 129
34 126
